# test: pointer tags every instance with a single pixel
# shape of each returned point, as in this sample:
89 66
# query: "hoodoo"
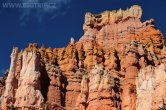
118 64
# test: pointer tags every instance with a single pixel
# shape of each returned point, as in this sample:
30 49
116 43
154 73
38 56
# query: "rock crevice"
118 64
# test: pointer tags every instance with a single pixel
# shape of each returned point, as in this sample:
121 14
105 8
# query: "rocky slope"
118 64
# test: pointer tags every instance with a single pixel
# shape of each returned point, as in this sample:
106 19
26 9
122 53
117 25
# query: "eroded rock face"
116 28
151 88
28 81
2 82
131 68
54 89
99 91
118 64
11 83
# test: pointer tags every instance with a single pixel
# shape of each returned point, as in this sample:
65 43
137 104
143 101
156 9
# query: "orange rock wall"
118 64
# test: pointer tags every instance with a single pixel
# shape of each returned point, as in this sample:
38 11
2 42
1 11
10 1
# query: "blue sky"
55 27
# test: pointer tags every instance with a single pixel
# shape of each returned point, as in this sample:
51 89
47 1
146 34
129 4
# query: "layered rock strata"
118 64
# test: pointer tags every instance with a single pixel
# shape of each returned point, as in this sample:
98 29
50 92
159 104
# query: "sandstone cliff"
118 64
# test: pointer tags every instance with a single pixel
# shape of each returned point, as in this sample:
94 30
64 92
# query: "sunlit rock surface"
118 64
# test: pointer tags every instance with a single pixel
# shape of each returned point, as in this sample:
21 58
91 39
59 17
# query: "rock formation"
118 64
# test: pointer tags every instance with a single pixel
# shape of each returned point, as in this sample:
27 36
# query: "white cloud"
40 12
